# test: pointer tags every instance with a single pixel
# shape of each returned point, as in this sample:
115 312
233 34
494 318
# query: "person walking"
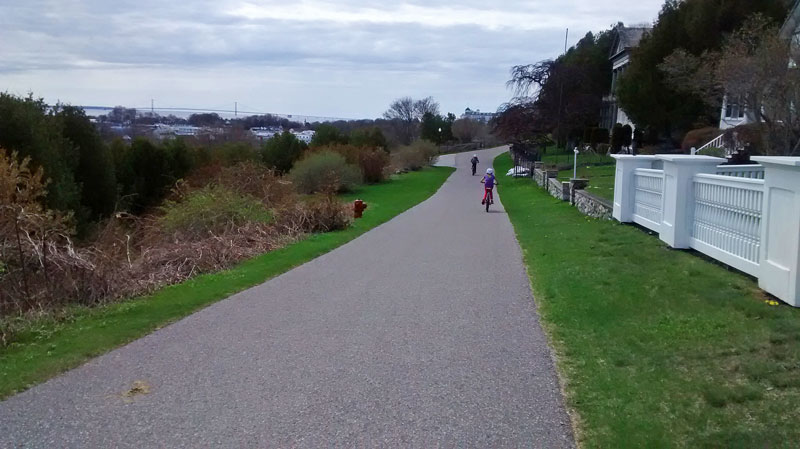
474 161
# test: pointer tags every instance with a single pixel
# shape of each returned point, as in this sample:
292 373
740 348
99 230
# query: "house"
477 115
625 40
733 113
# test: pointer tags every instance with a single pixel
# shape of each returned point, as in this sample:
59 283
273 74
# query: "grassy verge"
601 179
657 347
50 347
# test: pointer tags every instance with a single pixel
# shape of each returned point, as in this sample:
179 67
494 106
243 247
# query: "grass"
564 160
657 347
601 179
49 347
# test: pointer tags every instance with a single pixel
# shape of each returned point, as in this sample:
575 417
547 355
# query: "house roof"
627 38
790 27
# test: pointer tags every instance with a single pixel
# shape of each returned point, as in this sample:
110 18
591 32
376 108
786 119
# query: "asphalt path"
421 333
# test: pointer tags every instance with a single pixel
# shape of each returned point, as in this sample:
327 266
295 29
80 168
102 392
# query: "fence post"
780 228
623 184
678 205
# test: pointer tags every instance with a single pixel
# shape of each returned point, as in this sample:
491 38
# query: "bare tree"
466 130
407 113
525 78
425 106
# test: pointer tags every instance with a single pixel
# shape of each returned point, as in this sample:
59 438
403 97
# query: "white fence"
648 193
746 216
753 171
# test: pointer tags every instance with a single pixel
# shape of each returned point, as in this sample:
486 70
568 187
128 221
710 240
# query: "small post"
780 228
678 197
623 184
575 164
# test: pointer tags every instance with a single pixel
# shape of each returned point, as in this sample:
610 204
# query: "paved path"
420 333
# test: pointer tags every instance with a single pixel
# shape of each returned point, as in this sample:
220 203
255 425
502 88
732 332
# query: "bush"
617 138
256 180
317 214
325 171
281 152
370 160
415 156
699 137
212 209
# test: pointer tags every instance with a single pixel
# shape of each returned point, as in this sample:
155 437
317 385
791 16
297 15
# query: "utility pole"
235 108
152 109
561 95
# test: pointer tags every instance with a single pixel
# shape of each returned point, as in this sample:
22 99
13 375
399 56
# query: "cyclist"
488 181
474 161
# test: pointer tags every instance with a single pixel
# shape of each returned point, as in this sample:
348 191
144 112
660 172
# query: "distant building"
625 40
304 136
477 115
266 132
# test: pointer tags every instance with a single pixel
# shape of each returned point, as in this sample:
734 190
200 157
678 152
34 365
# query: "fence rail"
648 197
752 171
727 219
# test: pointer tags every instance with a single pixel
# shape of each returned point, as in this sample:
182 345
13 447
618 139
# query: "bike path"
420 333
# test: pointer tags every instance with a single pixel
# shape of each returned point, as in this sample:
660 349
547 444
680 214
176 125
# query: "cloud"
346 57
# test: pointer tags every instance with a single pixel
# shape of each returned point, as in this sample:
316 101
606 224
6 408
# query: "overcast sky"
345 58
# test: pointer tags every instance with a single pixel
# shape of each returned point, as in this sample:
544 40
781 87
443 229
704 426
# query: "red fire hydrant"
358 208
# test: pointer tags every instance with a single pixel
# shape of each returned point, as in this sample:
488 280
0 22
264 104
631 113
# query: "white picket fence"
746 216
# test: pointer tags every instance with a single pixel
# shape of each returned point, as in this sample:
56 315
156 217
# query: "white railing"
747 217
752 171
718 142
727 219
648 193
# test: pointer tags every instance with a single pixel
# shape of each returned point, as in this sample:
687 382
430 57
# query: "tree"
95 171
209 119
26 127
326 134
407 113
696 26
425 106
753 70
401 112
466 130
369 137
567 92
282 151
436 128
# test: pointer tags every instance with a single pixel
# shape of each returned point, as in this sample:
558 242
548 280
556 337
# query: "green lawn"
50 347
565 160
601 179
657 347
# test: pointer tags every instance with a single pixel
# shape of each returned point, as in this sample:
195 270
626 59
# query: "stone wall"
558 189
587 203
592 206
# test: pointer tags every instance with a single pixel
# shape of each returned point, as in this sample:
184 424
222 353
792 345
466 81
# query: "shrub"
325 171
617 138
699 137
281 152
415 156
316 214
212 209
370 160
249 178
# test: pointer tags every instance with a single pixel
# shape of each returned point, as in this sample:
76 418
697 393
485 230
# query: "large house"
477 115
625 40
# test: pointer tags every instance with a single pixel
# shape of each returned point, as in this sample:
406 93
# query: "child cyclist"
488 181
